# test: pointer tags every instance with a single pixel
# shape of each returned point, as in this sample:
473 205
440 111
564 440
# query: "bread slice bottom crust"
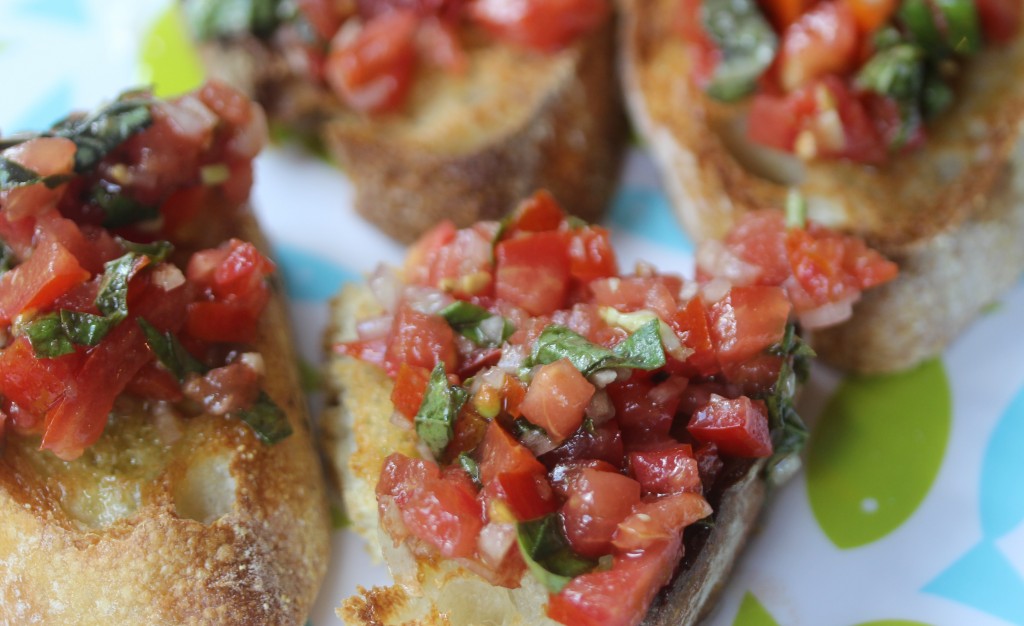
360 434
169 519
951 214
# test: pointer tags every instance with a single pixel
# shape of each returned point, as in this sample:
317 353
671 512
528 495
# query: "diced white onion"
828 314
492 328
254 361
603 378
495 540
375 327
249 140
400 421
717 260
537 442
714 290
168 277
670 341
512 358
426 299
600 409
386 286
189 117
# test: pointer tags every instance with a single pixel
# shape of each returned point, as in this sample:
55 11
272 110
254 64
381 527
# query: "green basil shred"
546 551
641 350
170 352
747 42
435 419
789 434
466 319
266 419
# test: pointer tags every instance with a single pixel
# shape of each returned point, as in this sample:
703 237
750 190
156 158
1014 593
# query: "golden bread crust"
170 520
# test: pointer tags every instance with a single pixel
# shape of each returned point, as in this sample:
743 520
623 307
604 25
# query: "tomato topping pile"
574 421
846 79
367 52
107 283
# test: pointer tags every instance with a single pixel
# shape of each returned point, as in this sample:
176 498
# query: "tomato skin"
738 427
591 255
871 14
557 399
532 272
463 265
441 510
832 267
783 13
410 386
47 274
1000 19
421 340
220 321
690 324
538 213
604 444
822 41
373 73
666 471
419 259
748 320
596 503
639 407
621 595
500 453
637 293
542 25
34 384
658 522
758 238
527 494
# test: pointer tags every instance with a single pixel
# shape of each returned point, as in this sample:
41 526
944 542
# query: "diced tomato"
656 523
470 430
637 293
775 121
49 272
544 25
621 595
419 259
821 41
755 375
597 502
690 324
500 453
562 475
421 340
225 389
410 385
527 494
438 43
748 320
223 321
369 350
666 471
738 427
832 267
35 384
373 73
705 55
784 12
155 383
322 15
513 392
242 271
557 398
709 464
533 272
538 213
641 405
591 255
463 265
46 156
440 510
758 238
871 14
604 444
1000 19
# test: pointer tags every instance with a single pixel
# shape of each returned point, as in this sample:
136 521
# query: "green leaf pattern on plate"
753 613
876 451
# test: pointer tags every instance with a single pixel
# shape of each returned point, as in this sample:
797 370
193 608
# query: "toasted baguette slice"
951 214
360 434
465 147
170 520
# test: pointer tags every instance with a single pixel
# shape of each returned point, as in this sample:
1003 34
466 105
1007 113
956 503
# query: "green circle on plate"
753 613
875 452
168 59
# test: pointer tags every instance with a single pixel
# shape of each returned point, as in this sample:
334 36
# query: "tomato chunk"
658 522
557 399
500 453
41 279
666 471
373 73
410 386
533 272
641 405
738 427
748 320
821 41
527 494
421 340
544 25
597 502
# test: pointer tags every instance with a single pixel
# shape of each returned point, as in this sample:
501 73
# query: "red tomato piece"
500 453
783 13
420 258
223 321
441 510
373 73
758 238
690 324
322 15
463 266
621 595
641 405
597 502
544 25
410 385
243 270
527 494
533 272
1000 19
538 213
45 156
369 350
636 293
738 427
557 399
822 41
154 383
666 471
34 384
871 14
591 255
832 267
47 274
748 320
604 444
659 522
421 340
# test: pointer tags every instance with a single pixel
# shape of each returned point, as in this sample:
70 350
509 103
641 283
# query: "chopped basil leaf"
467 463
547 553
788 430
6 257
216 18
98 134
942 27
120 209
48 338
170 352
477 324
641 350
747 42
796 209
521 427
897 72
112 299
57 333
435 419
936 96
266 419
14 175
157 251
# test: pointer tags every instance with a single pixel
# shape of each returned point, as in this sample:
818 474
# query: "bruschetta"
899 121
436 110
157 465
524 433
